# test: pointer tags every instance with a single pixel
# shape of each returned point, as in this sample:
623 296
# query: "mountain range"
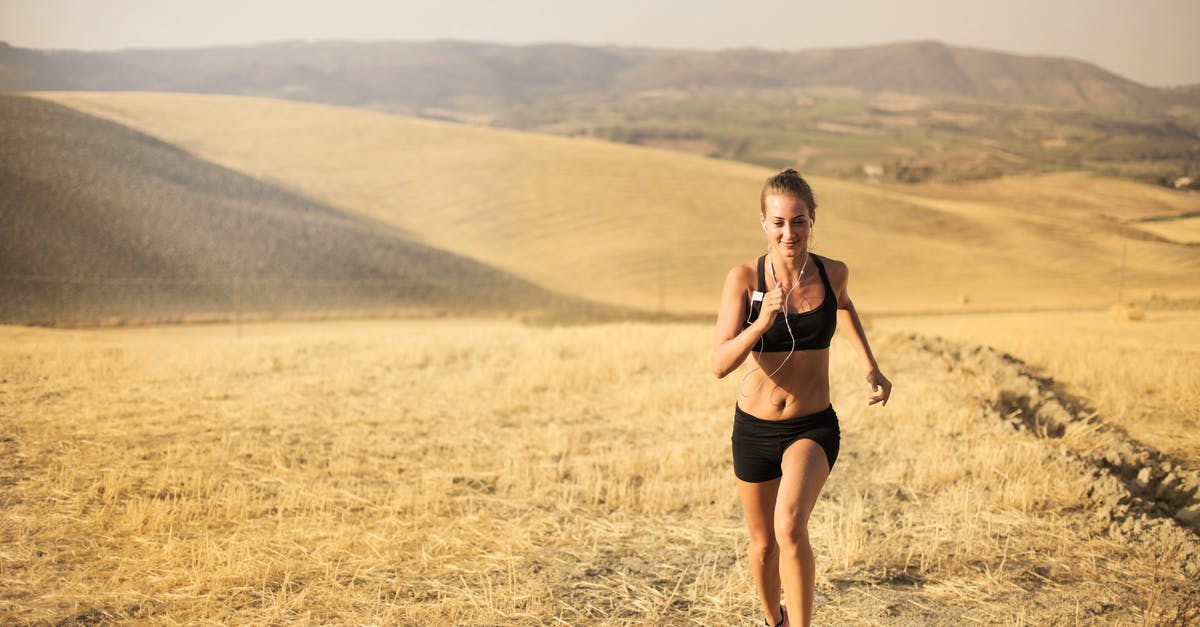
467 75
905 112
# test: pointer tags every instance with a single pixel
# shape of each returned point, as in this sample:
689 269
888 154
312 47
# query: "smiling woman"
786 434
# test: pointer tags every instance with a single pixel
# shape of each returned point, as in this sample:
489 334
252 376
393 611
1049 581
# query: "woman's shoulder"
744 273
837 270
830 262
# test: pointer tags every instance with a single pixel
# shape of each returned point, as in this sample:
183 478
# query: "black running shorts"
758 444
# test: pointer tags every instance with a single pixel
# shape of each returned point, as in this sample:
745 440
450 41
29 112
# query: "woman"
783 308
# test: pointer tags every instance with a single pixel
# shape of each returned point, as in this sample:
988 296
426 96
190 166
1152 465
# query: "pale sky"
1156 42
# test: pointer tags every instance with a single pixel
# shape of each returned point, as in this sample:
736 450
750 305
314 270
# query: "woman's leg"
758 504
804 472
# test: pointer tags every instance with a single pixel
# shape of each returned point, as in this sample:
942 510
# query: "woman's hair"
789 183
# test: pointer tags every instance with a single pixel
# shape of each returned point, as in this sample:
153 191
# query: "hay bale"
1126 312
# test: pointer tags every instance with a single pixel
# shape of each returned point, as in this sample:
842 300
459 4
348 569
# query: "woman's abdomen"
799 388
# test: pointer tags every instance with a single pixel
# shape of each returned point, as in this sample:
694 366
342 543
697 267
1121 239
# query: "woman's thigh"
758 506
805 470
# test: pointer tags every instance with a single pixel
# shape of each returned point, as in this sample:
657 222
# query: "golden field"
1037 464
1142 376
477 472
657 230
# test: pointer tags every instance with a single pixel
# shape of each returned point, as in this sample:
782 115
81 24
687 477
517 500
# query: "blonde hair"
789 183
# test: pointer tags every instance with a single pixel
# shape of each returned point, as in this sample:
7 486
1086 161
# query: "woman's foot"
783 621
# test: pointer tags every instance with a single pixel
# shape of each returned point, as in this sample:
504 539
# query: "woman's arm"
881 387
732 344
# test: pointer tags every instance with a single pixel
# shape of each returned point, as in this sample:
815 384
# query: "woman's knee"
791 531
763 548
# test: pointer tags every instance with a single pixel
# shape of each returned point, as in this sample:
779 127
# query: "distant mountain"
922 68
450 74
103 223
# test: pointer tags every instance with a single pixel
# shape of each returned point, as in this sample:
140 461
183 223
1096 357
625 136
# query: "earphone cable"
786 323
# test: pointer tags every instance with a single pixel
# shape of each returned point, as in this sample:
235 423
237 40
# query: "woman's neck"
788 268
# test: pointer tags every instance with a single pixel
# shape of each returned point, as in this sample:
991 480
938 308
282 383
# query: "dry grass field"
1142 376
483 472
657 230
1037 464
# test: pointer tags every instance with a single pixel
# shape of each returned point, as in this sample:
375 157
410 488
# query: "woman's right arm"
732 343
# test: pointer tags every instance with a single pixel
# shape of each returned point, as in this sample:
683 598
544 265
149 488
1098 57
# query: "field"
484 472
1139 376
836 131
104 225
656 231
473 465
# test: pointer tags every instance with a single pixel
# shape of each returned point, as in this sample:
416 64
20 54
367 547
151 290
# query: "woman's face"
788 224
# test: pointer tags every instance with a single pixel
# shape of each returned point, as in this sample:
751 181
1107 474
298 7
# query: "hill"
106 224
907 112
926 68
653 229
451 74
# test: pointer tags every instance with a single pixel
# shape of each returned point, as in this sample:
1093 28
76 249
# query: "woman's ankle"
770 621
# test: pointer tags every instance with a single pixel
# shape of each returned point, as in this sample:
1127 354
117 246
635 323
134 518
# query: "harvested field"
1032 468
483 472
656 231
1139 376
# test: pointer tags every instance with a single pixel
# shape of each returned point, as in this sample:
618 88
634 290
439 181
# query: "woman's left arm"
881 387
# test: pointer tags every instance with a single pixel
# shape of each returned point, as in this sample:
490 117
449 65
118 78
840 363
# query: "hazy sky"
1155 42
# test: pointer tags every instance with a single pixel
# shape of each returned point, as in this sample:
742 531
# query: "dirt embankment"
1139 493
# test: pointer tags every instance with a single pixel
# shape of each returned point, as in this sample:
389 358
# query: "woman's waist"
778 404
819 416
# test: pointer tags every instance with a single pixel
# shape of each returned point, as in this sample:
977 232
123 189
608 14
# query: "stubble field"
1140 376
481 471
484 472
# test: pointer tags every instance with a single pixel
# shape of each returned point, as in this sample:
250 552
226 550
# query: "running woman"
782 309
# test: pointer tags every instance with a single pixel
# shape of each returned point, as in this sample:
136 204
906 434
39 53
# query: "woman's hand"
881 388
772 304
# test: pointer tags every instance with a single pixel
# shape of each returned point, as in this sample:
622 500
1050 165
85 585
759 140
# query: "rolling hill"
656 230
106 224
452 73
909 112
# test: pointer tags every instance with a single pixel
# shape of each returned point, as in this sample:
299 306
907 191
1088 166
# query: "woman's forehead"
785 206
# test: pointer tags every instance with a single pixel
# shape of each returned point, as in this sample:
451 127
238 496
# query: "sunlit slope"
582 217
654 229
105 224
1068 239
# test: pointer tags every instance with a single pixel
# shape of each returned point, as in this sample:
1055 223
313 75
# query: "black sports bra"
812 329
